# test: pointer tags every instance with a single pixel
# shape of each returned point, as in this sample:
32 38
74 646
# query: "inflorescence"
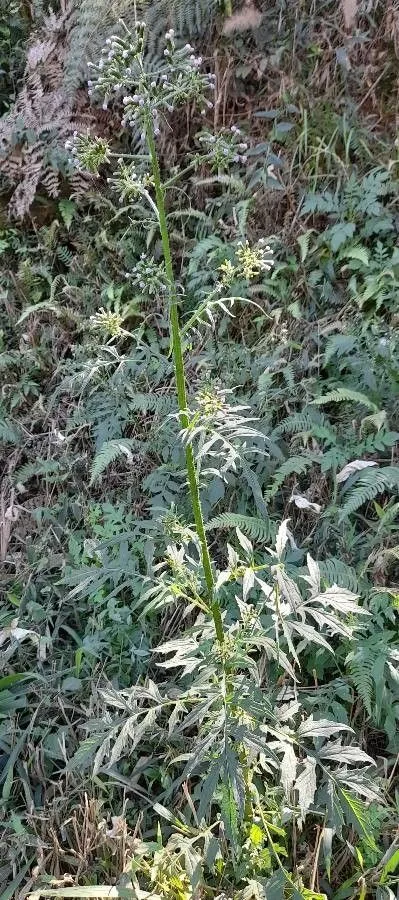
249 263
147 94
224 148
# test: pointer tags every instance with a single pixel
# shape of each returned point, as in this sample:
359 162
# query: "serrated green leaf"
320 728
359 817
288 770
305 785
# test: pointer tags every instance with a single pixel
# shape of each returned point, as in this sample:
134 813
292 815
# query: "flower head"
224 148
254 260
128 182
249 263
149 276
227 272
107 322
211 401
88 152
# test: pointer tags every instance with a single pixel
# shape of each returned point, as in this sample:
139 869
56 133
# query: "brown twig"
319 838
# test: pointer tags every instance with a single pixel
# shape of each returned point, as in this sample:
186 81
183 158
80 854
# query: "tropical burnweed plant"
257 753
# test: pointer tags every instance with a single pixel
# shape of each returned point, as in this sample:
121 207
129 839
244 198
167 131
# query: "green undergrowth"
143 753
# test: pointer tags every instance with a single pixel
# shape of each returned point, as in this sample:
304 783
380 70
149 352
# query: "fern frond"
364 664
256 529
336 571
188 19
339 345
341 395
9 433
302 422
371 482
295 465
253 483
48 468
160 404
108 453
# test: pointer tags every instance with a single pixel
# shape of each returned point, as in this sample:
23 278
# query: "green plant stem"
181 387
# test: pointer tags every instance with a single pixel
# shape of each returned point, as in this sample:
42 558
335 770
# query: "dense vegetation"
199 416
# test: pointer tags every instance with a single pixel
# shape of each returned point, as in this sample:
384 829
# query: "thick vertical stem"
181 386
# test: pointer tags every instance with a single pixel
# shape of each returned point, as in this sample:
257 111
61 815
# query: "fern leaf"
294 465
108 453
304 243
364 664
48 468
254 528
9 433
150 403
360 666
339 345
253 483
342 394
300 423
335 571
370 483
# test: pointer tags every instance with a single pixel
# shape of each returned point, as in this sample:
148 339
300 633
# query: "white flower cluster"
129 183
249 263
148 275
118 62
106 322
254 260
88 152
225 148
145 95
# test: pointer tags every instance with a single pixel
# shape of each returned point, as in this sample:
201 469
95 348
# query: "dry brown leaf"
355 466
303 503
246 18
349 11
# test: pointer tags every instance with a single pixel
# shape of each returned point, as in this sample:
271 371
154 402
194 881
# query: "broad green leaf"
288 769
9 680
338 234
320 728
208 787
327 837
349 755
359 817
228 808
245 543
391 864
256 835
306 786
